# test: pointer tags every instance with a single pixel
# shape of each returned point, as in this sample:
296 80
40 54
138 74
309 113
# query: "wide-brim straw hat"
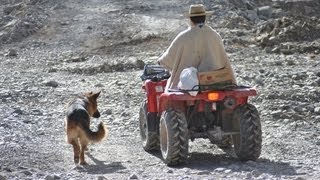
197 10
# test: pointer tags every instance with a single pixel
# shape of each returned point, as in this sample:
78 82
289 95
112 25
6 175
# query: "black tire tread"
151 141
178 137
249 147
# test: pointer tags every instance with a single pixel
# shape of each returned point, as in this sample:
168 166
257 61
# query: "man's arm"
168 57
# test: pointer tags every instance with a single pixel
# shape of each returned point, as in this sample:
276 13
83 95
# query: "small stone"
140 64
227 171
52 177
124 114
318 142
186 170
297 77
49 177
249 176
255 173
220 169
252 15
203 172
99 85
291 63
276 49
121 83
12 52
2 177
108 111
298 109
28 173
317 110
234 167
27 121
22 167
133 176
52 70
17 111
7 10
278 63
170 171
265 12
102 178
76 59
316 82
251 163
64 23
7 169
276 114
52 84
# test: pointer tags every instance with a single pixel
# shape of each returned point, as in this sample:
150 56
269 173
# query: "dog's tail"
96 136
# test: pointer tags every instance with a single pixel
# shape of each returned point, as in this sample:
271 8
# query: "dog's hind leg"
84 147
76 150
82 161
72 138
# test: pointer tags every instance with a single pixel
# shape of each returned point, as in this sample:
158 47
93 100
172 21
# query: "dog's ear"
88 94
96 95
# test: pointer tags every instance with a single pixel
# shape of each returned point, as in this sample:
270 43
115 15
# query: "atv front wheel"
150 140
247 144
174 142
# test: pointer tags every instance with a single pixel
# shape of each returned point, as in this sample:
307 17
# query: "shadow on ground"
100 167
210 162
228 161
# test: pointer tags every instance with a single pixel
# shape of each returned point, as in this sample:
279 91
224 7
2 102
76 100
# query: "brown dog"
77 123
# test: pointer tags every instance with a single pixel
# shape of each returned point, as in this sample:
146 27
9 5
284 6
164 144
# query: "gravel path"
80 46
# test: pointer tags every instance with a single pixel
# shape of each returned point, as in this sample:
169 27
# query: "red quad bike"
223 115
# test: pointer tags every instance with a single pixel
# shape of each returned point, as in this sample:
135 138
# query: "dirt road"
74 46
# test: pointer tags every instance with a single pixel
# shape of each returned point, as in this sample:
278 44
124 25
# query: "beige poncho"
200 47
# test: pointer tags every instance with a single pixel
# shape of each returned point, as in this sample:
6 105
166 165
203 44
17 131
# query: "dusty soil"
52 51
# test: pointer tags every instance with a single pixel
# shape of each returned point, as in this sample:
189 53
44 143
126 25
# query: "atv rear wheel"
247 144
150 140
174 142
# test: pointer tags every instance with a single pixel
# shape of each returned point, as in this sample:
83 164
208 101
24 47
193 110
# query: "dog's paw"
83 163
76 160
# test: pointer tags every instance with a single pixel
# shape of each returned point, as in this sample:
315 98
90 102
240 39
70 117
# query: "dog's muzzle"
96 114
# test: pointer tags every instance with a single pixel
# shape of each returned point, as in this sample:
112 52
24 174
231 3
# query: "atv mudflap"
176 98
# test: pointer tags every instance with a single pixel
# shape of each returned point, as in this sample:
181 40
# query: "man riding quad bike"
214 108
220 113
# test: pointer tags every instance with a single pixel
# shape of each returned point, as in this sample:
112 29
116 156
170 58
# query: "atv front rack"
154 73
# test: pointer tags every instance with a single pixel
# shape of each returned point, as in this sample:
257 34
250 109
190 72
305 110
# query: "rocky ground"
53 51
